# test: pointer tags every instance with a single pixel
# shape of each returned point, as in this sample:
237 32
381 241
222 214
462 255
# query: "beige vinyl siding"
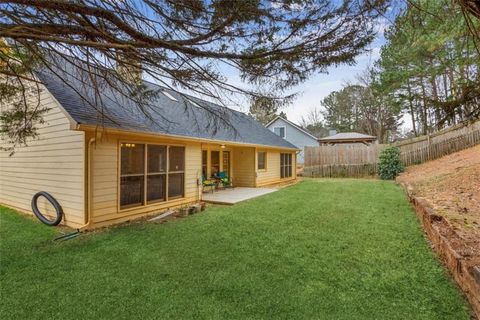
272 173
53 162
243 166
105 179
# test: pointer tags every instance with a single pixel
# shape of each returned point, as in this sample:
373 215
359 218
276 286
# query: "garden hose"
55 204
68 236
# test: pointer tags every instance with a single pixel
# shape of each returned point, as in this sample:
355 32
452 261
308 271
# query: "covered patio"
235 195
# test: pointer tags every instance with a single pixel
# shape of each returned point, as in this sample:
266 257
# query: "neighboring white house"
294 134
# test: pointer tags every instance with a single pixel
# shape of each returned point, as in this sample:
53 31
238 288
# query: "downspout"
89 185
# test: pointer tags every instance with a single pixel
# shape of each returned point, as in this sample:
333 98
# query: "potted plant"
183 211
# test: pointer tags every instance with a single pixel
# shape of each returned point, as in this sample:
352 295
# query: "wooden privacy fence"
425 148
352 160
359 160
341 170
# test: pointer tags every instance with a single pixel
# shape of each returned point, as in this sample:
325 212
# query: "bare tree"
314 123
185 44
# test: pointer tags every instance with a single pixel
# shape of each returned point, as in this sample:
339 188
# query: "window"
215 160
280 131
132 174
262 160
226 162
204 163
285 165
156 174
144 176
176 171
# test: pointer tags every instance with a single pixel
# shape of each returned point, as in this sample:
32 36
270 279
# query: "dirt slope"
451 185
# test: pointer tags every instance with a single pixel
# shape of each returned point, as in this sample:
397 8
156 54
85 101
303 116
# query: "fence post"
428 147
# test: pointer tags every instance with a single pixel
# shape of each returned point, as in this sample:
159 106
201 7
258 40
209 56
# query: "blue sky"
311 92
320 85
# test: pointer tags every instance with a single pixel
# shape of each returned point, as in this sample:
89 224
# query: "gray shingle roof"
165 116
348 136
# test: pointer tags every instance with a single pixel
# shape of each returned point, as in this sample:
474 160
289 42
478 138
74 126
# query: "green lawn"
323 249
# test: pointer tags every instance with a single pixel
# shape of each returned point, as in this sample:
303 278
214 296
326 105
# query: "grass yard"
323 249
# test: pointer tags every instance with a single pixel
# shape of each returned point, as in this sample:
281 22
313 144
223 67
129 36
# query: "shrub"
389 165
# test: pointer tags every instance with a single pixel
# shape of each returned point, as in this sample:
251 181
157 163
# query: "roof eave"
86 127
276 118
347 139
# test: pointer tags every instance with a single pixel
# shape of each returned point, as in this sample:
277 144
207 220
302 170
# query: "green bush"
389 165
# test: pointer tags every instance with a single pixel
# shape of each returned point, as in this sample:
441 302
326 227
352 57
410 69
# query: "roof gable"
291 124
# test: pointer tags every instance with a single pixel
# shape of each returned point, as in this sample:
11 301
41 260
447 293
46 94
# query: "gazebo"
348 137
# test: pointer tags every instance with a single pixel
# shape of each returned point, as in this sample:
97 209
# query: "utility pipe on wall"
89 184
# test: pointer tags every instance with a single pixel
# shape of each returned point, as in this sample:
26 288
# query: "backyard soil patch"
446 195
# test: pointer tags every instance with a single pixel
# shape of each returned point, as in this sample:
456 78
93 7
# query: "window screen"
285 165
177 165
132 174
145 177
156 173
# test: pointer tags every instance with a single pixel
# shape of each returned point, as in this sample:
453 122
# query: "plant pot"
183 212
197 208
191 210
203 206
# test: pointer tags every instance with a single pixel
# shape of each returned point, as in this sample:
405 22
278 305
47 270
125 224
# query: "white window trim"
284 131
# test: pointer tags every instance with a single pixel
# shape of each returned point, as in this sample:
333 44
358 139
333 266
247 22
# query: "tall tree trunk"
424 108
451 120
453 90
412 108
433 83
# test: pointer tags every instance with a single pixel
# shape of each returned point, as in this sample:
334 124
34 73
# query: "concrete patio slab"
235 195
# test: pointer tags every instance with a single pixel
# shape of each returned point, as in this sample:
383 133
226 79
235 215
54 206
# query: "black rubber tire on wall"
54 203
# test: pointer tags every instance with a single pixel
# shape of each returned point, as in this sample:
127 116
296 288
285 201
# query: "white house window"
146 178
280 131
262 160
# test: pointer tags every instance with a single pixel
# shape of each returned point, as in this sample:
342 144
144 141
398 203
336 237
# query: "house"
106 168
348 138
294 134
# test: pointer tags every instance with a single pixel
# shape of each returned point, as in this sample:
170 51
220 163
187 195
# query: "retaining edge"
467 280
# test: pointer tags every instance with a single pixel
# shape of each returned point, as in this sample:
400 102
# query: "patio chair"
209 183
223 178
